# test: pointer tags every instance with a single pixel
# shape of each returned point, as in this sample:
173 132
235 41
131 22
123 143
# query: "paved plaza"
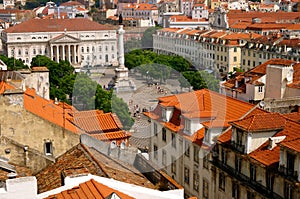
144 97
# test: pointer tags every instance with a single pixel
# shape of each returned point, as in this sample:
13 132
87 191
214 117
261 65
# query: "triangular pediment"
64 38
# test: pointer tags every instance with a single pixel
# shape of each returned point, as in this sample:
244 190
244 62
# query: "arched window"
82 49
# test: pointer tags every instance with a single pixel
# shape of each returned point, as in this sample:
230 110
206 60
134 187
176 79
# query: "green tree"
61 77
120 108
199 80
12 63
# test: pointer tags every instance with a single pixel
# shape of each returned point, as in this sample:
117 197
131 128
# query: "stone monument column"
121 82
121 71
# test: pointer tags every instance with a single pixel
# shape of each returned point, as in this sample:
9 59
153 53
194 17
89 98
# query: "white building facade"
80 41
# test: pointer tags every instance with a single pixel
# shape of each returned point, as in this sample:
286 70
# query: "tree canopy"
12 63
158 66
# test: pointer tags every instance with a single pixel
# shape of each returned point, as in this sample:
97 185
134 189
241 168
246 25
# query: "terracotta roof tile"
95 121
112 135
21 172
271 157
293 116
89 189
4 86
48 110
225 137
72 3
57 25
261 122
39 68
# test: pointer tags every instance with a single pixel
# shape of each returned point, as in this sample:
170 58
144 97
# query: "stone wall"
25 128
286 105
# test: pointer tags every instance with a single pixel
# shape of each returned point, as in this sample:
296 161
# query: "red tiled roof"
293 116
4 86
266 156
95 121
118 135
261 122
48 110
72 3
57 25
225 137
89 189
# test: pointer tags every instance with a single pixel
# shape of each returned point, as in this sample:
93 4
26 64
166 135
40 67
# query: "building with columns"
80 41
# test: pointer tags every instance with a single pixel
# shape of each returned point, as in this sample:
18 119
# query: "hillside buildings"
250 159
80 41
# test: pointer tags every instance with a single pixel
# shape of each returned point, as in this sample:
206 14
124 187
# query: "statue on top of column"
120 19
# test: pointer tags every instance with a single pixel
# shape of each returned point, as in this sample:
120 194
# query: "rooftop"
57 25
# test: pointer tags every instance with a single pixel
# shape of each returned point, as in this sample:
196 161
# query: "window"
205 189
164 134
253 63
252 172
239 138
186 175
235 190
237 164
196 154
100 56
223 156
26 51
173 164
106 58
48 148
173 141
222 181
244 61
155 128
100 48
187 125
34 51
187 148
106 48
155 151
164 157
19 52
235 49
82 49
196 181
260 89
113 56
112 48
88 49
234 58
290 163
205 162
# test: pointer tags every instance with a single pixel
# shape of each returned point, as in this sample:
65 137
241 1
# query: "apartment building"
224 51
258 158
183 130
206 49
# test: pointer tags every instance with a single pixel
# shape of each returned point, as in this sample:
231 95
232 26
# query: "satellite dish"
261 104
113 144
289 76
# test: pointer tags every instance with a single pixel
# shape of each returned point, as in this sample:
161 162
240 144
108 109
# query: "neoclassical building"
80 41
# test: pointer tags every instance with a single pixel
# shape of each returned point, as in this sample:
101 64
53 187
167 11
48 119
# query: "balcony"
288 172
245 180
